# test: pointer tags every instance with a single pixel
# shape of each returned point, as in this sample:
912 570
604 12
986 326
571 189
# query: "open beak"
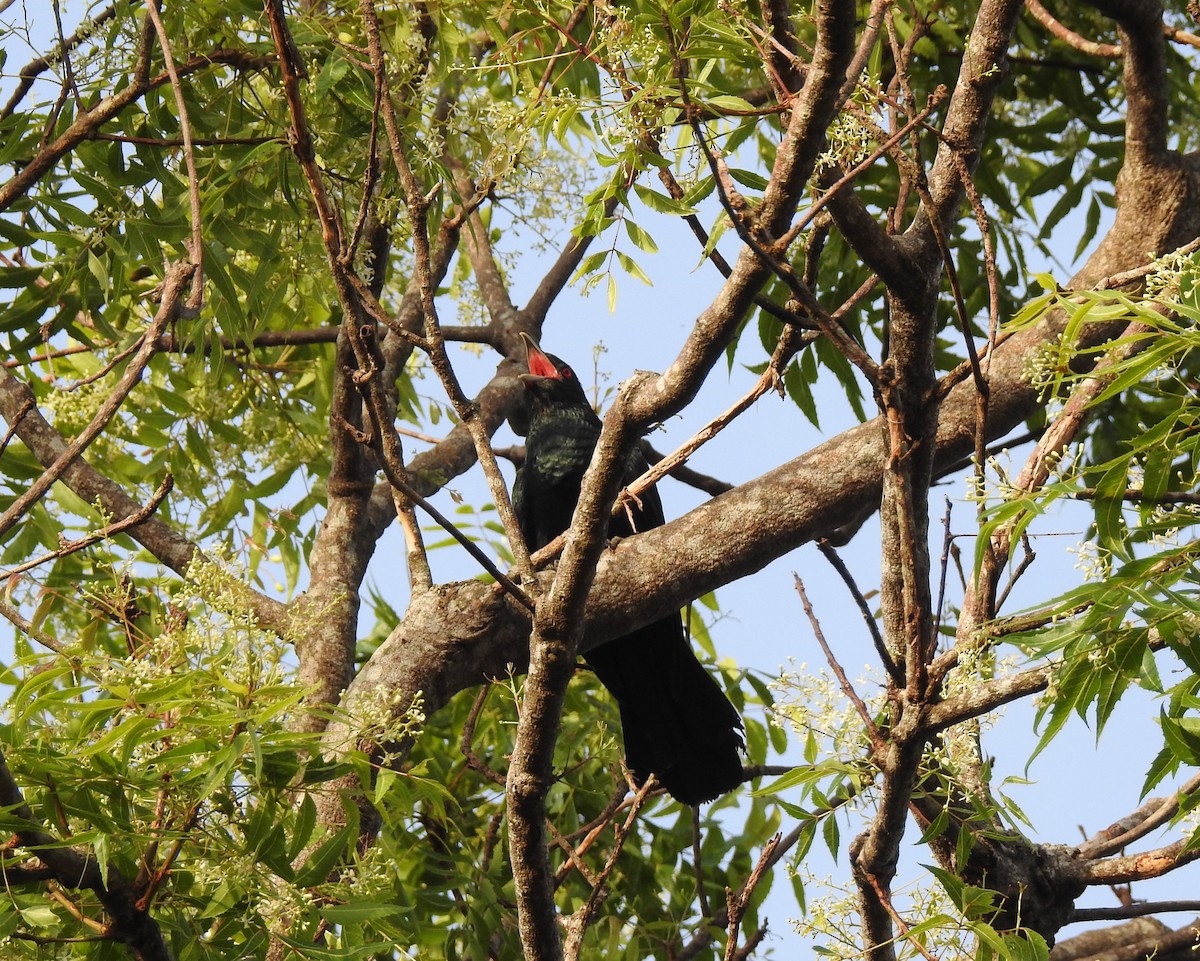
541 367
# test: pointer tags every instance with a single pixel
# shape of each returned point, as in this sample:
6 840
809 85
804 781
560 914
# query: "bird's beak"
541 367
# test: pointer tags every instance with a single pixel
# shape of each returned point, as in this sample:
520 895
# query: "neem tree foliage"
241 243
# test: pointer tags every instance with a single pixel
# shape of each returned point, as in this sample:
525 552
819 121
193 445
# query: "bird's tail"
677 722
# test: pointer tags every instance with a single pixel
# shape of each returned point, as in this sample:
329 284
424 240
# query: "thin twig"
395 474
577 15
886 902
68 69
189 156
698 862
1152 817
169 142
25 626
1142 497
466 742
1069 36
739 902
104 370
878 743
1138 909
704 936
28 405
578 923
885 656
1027 559
712 486
103 533
768 380
944 570
160 875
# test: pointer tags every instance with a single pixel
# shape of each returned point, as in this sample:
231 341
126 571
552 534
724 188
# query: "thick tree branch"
1144 77
1152 814
1069 36
906 392
971 102
1140 867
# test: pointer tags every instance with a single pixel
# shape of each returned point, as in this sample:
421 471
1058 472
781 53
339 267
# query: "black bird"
677 722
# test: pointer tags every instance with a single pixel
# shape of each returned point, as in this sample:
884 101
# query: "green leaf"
1109 506
630 266
320 864
18 276
591 263
1182 737
749 178
729 103
832 836
661 203
359 911
641 239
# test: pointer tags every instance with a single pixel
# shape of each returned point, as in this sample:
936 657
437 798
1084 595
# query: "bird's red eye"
566 372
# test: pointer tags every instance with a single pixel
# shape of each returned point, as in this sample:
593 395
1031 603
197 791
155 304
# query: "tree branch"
18 407
1069 36
176 276
1145 77
1152 814
1140 867
128 923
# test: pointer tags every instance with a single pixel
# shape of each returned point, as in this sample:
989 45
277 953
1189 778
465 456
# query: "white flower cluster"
132 676
278 903
210 873
1095 564
369 878
621 42
282 905
958 749
832 920
1189 824
1041 367
387 716
509 134
814 705
72 410
850 142
1171 272
977 664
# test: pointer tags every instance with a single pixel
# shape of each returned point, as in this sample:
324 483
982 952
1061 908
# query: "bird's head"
550 379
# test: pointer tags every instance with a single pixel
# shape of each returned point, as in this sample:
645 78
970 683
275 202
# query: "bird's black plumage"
677 722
